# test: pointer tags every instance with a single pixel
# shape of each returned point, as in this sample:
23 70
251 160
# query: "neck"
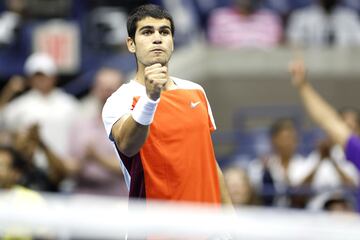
44 92
245 12
285 160
140 74
328 8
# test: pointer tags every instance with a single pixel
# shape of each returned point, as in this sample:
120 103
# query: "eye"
146 32
164 32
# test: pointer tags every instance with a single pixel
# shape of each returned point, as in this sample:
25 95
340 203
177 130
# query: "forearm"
110 163
310 177
57 167
324 114
5 97
129 135
14 86
131 131
345 179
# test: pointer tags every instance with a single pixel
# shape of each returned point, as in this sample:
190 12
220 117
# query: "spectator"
12 168
44 105
16 170
238 184
327 169
273 175
97 167
244 25
14 179
324 23
106 81
27 142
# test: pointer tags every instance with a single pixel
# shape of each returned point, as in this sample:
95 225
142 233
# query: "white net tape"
88 217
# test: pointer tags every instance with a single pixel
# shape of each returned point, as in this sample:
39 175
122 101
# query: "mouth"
157 50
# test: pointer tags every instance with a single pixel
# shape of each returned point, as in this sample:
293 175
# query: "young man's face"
153 41
285 142
43 83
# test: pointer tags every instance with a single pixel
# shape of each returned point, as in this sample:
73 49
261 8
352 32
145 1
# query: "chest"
181 113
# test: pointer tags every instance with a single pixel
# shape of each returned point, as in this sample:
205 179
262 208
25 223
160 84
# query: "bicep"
117 130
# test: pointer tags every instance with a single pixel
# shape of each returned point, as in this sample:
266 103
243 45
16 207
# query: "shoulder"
22 101
62 95
346 12
186 84
298 158
130 88
123 97
126 92
63 101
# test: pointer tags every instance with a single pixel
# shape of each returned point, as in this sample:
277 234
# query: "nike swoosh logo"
194 104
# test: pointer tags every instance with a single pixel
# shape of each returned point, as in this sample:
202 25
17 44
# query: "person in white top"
45 106
273 175
324 23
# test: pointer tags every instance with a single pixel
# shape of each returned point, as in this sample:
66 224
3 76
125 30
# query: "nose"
157 38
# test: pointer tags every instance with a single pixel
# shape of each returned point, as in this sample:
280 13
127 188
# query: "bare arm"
310 177
15 85
345 179
319 110
31 140
129 133
57 168
108 161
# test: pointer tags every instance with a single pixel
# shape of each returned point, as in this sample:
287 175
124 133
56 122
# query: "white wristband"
144 110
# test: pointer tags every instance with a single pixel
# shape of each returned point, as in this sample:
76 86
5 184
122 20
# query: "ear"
130 45
172 46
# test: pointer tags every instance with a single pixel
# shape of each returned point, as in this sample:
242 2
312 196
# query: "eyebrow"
152 27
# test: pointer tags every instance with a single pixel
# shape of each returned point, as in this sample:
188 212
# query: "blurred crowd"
283 177
98 28
50 140
51 134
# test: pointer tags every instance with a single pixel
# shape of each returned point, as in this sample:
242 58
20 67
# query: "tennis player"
161 125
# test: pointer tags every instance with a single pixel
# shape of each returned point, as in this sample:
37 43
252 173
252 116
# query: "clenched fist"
156 77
